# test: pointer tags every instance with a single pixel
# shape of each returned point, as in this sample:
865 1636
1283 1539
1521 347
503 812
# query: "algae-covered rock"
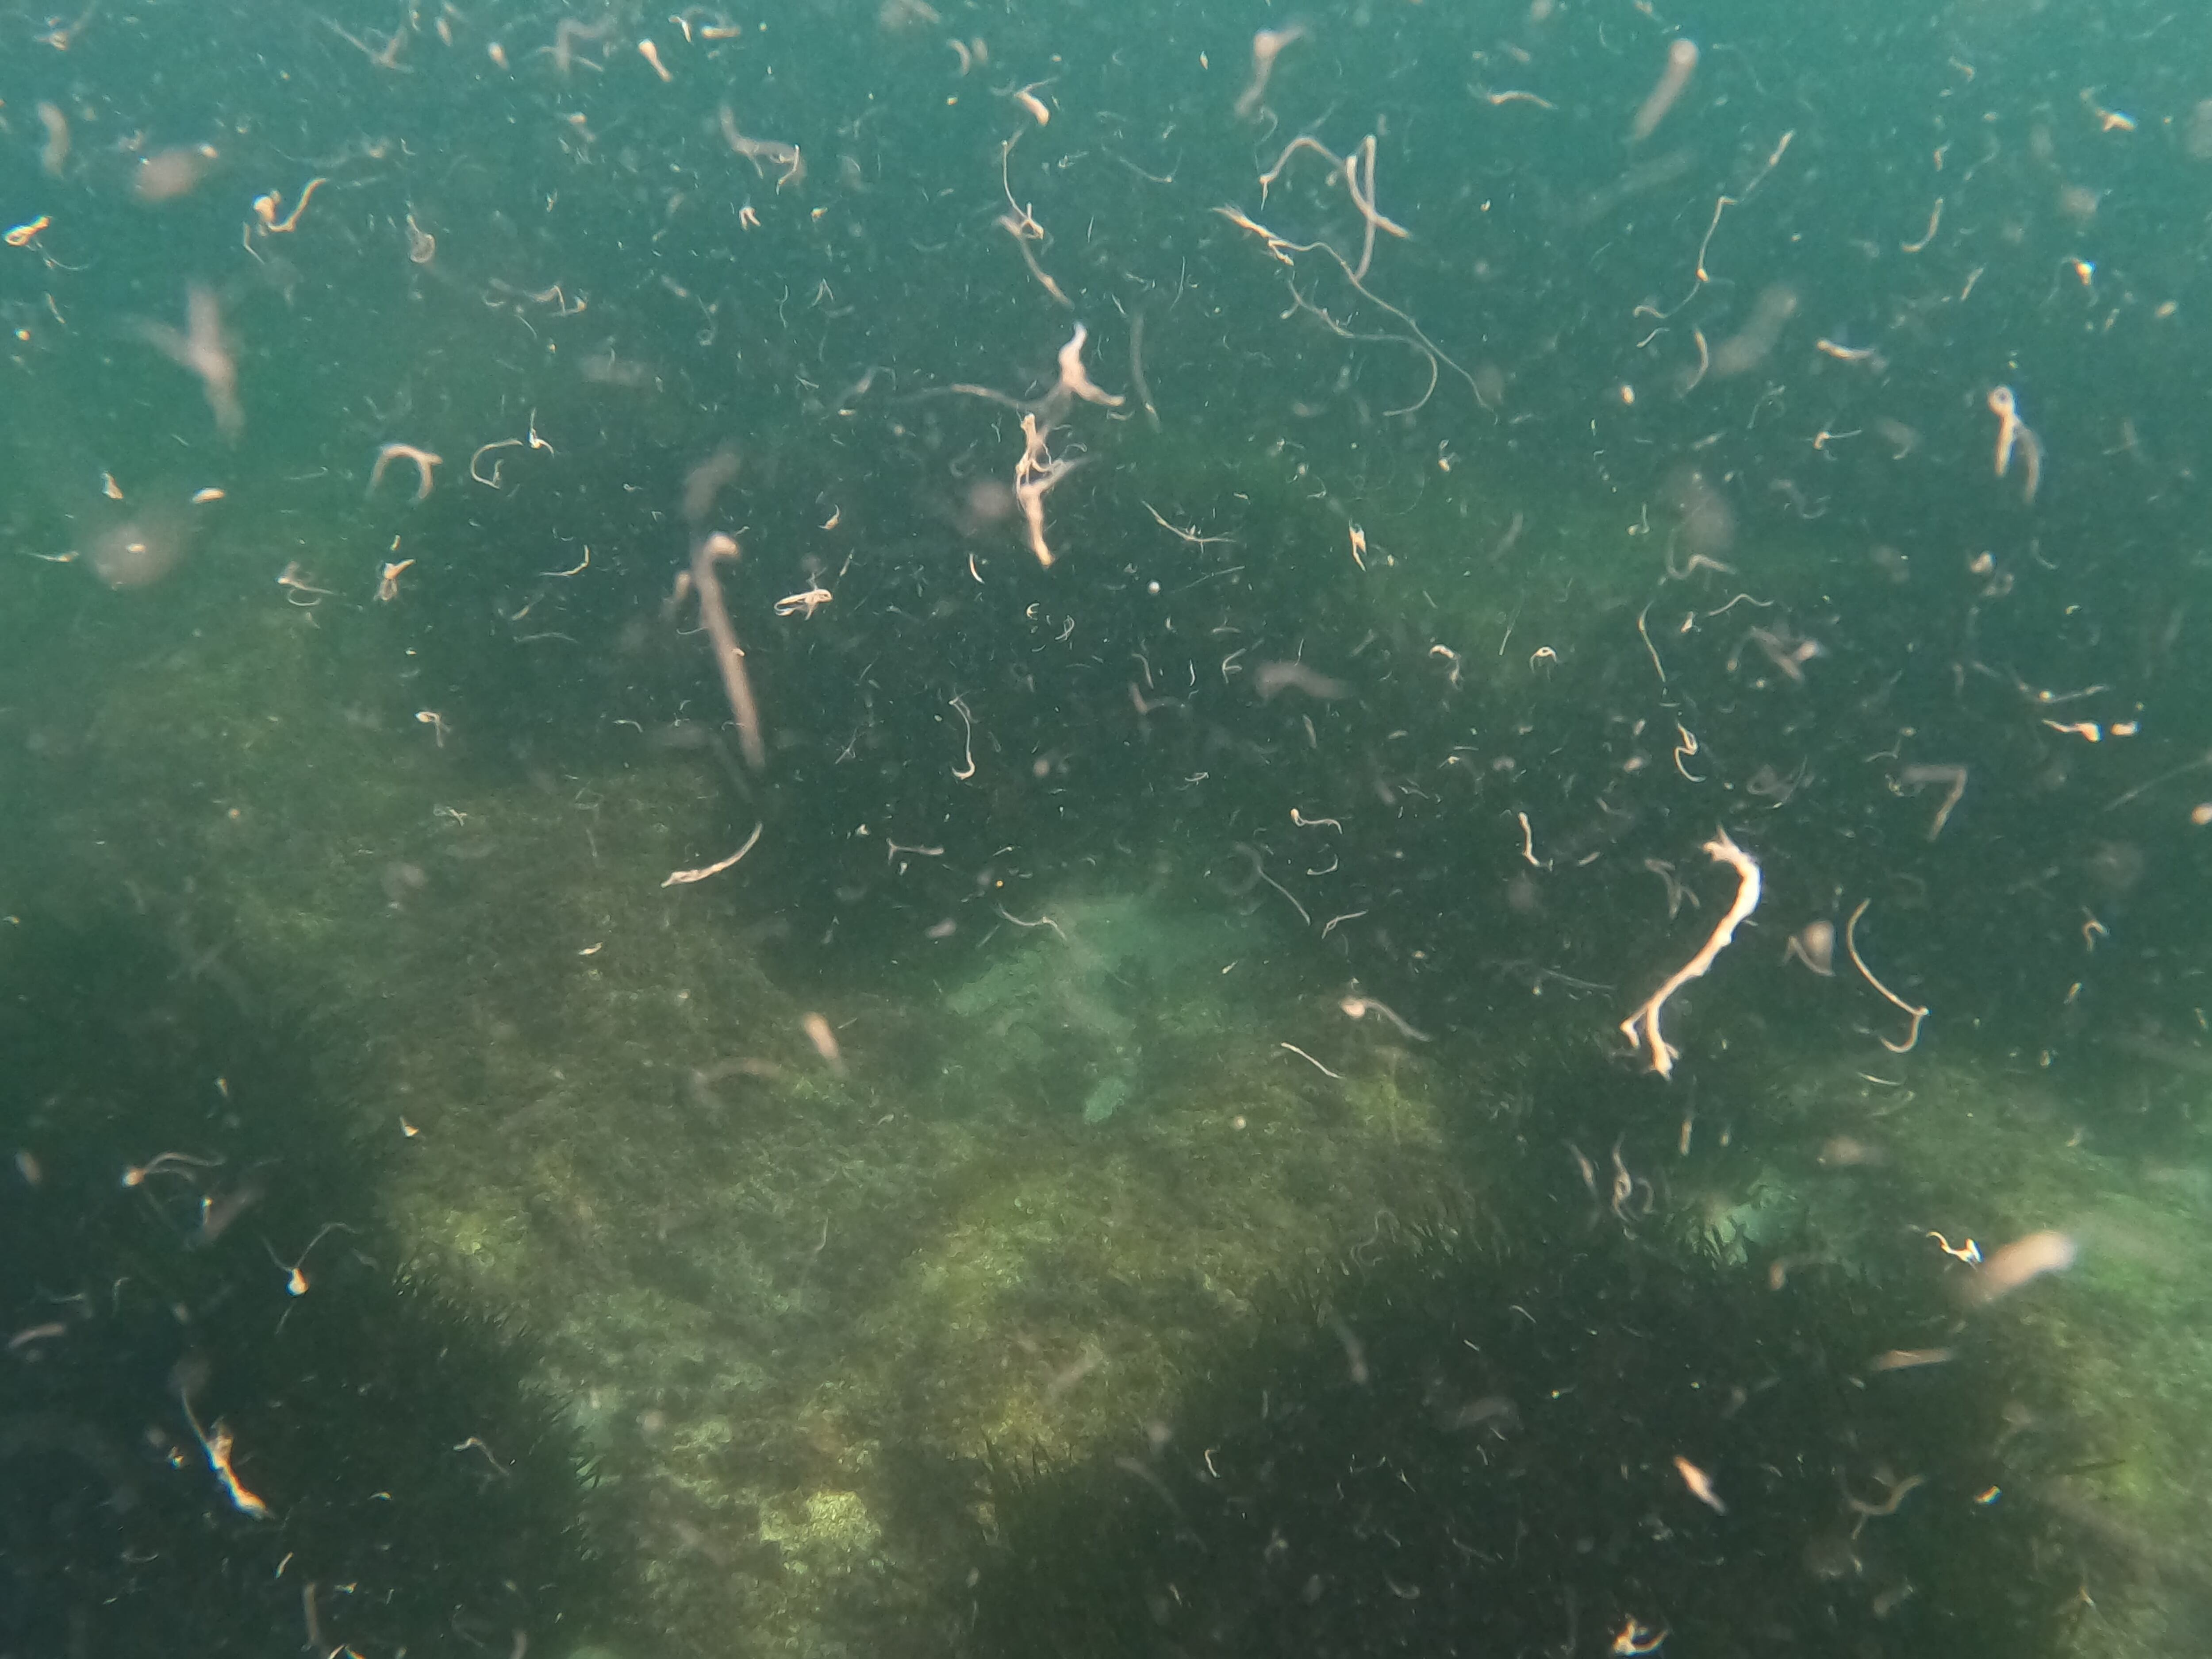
1449 1446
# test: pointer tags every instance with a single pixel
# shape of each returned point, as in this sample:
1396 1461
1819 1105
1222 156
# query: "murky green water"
1280 587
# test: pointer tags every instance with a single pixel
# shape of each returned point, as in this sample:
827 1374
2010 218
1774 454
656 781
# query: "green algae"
766 1288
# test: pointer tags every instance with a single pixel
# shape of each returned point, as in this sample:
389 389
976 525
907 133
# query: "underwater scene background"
949 829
